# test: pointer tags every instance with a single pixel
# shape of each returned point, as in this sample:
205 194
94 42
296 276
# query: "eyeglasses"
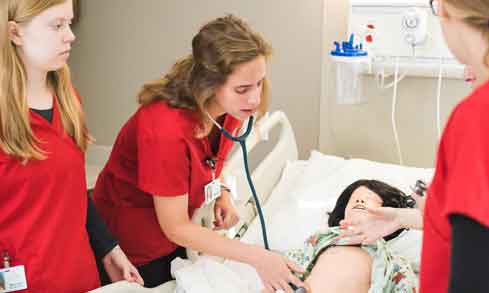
435 7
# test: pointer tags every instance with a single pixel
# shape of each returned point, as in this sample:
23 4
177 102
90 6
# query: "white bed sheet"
308 190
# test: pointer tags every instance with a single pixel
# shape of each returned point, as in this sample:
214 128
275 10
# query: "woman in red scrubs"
43 196
456 218
456 214
169 150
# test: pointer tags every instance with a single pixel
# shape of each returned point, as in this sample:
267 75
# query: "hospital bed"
296 196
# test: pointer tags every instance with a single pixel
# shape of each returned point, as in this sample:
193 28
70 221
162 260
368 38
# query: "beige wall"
122 43
365 130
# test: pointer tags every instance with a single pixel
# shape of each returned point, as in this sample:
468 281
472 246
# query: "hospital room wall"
365 130
123 43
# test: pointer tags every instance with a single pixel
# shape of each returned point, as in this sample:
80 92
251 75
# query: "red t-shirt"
43 208
155 154
460 186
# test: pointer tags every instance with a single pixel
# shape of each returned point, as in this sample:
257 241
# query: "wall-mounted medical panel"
403 31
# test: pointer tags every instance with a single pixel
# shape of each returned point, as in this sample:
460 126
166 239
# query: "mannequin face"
361 199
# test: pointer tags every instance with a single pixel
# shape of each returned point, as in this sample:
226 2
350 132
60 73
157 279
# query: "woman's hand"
276 271
382 221
225 214
469 75
118 267
378 223
420 201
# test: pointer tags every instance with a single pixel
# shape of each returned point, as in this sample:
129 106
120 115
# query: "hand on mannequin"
378 223
382 221
277 272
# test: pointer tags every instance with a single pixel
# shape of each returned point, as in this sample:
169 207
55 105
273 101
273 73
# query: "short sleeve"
163 161
467 165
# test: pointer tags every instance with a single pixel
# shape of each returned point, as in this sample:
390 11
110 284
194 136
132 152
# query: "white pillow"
319 167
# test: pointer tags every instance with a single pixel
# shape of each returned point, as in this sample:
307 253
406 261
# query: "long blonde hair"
217 49
475 13
16 136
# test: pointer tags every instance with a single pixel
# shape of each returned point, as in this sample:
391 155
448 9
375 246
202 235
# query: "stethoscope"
242 142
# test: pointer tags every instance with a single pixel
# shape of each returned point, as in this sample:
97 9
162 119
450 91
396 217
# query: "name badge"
12 279
212 191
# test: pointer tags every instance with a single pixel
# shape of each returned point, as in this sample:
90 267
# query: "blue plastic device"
347 49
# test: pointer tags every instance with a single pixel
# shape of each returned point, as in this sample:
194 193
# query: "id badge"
12 279
212 191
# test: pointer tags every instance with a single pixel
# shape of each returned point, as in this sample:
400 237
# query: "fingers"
469 75
218 215
219 218
420 200
225 218
348 231
277 287
344 224
353 233
296 281
375 211
131 274
356 239
368 241
230 220
126 274
137 277
291 278
284 286
114 275
294 267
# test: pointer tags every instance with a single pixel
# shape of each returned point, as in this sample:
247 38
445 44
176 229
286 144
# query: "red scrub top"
460 186
155 154
43 208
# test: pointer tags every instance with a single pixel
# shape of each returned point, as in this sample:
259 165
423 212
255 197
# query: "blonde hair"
218 48
475 13
16 136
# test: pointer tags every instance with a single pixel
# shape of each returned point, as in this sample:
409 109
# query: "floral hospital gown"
390 272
